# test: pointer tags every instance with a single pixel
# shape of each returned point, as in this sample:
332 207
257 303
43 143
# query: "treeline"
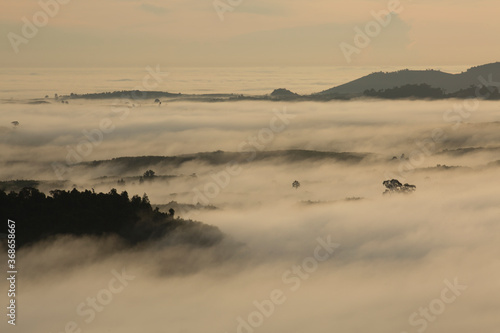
407 91
39 216
425 91
126 94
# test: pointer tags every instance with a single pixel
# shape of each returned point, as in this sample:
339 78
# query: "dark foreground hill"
39 216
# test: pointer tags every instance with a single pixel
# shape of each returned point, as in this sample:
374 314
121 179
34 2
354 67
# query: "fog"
394 255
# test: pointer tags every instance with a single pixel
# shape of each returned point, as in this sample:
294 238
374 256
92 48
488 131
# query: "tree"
296 184
149 174
171 212
394 186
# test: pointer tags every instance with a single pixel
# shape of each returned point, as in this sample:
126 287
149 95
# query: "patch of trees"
148 175
131 94
39 216
491 93
394 186
407 91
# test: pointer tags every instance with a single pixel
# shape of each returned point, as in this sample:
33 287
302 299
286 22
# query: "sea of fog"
334 255
18 83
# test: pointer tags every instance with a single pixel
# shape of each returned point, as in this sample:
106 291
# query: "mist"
333 255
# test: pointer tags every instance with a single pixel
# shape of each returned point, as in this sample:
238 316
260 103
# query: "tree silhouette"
149 174
76 213
394 186
422 90
296 184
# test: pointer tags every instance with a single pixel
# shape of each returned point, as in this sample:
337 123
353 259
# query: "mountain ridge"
450 83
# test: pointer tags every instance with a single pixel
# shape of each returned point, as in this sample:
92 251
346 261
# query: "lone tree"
296 184
149 174
394 186
171 212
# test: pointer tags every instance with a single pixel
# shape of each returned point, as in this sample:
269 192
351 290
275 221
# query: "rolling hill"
434 78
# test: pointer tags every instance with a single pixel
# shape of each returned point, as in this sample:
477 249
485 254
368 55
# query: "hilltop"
449 83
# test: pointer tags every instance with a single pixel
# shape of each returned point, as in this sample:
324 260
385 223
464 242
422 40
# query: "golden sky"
102 33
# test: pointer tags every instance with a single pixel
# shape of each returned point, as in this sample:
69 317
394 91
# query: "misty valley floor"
398 258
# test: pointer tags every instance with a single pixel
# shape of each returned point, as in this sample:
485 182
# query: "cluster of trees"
407 91
492 93
148 175
426 91
132 94
394 186
39 216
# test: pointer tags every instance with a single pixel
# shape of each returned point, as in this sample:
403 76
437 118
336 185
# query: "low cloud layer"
398 255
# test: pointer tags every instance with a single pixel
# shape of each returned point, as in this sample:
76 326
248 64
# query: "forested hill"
39 216
449 83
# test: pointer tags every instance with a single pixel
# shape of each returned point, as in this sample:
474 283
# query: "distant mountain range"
414 84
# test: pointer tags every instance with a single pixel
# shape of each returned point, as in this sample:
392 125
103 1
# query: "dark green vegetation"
87 213
408 91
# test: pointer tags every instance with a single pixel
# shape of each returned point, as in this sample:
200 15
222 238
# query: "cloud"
395 251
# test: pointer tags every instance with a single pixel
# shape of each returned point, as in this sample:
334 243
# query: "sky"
193 33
